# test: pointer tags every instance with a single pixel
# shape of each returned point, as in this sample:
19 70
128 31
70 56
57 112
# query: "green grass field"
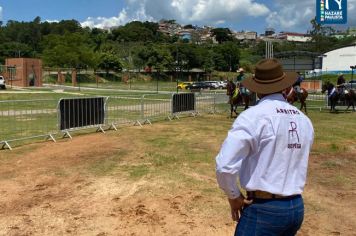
32 111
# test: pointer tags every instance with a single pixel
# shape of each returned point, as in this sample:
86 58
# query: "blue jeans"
271 217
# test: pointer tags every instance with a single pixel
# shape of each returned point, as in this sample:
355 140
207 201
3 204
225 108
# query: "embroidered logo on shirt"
293 136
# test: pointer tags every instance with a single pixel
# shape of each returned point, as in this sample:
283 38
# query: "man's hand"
236 206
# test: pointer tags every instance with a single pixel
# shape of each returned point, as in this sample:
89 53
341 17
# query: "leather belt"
266 195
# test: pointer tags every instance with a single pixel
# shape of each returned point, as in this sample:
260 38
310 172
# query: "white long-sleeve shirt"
267 148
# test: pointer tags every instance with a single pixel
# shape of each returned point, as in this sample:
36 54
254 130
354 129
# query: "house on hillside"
294 37
245 35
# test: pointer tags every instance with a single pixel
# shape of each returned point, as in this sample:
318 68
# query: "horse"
350 98
292 96
334 96
235 100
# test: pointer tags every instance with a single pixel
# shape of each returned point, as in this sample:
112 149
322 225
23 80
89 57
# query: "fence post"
214 107
143 107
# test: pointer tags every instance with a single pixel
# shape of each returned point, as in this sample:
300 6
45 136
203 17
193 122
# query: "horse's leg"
348 104
352 104
235 109
305 106
334 106
247 102
331 105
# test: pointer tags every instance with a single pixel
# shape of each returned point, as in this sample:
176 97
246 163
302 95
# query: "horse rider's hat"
269 77
241 70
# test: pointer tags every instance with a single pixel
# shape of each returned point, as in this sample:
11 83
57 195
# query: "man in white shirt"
267 148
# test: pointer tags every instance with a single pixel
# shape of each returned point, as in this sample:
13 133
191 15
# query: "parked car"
183 85
222 84
351 84
198 86
213 84
2 82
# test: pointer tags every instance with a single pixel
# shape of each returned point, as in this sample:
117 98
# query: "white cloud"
184 11
296 15
285 15
210 11
126 15
351 12
292 15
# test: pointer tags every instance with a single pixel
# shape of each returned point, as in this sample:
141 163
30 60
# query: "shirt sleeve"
235 148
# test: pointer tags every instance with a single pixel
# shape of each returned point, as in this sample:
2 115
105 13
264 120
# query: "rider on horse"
239 79
340 84
297 83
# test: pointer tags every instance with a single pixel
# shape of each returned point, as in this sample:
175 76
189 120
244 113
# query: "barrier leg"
138 123
195 114
112 126
175 117
67 134
50 136
6 144
100 129
147 121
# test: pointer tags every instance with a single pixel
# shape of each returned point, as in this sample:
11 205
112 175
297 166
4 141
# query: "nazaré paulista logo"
331 11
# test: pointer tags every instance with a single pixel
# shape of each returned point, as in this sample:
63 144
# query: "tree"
136 31
109 61
227 56
68 50
222 34
321 37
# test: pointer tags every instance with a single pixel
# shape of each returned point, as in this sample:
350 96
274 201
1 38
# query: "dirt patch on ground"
136 182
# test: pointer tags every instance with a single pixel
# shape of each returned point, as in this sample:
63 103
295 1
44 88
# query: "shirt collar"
274 96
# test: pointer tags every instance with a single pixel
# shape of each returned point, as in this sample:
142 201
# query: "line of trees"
139 45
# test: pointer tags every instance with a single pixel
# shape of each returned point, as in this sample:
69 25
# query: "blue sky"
253 15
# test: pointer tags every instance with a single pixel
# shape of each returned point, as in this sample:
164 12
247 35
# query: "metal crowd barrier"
156 107
26 119
81 113
123 111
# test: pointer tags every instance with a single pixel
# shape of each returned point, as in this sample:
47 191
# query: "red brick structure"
28 72
312 85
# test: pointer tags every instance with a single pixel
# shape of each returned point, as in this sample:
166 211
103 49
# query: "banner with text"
331 11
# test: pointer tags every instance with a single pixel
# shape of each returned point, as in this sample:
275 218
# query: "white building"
246 35
294 37
339 60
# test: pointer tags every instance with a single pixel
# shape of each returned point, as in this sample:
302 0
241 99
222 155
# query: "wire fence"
29 119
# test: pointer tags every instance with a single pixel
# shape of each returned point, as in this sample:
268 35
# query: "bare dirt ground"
134 182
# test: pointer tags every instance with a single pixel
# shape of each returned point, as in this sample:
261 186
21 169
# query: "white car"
222 84
2 82
351 84
212 84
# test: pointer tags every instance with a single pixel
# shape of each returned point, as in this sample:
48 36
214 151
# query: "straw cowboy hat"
241 70
269 77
